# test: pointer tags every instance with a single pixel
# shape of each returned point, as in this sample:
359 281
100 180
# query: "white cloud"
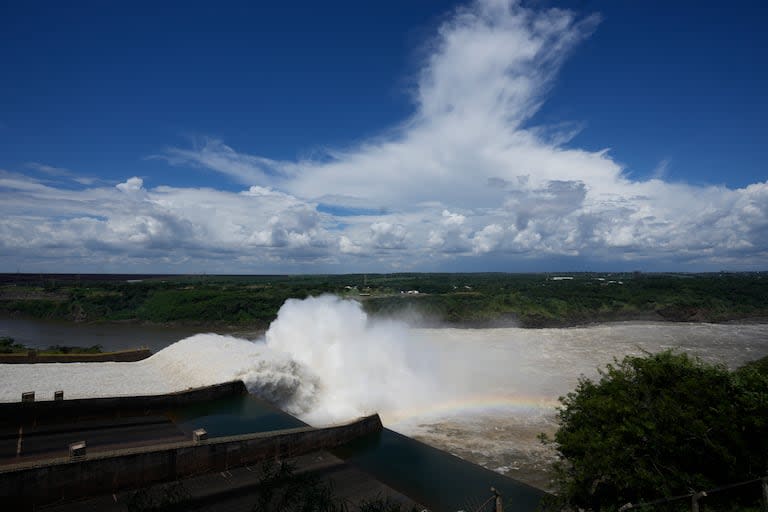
59 172
130 224
465 176
451 235
214 154
388 236
131 185
488 239
661 170
347 246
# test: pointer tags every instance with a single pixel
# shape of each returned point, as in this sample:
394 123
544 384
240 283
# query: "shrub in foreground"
660 425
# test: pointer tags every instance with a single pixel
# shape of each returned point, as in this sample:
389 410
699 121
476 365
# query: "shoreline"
506 321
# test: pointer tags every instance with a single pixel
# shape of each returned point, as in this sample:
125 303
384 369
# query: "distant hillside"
528 300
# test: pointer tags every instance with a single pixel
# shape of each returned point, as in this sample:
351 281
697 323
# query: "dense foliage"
659 426
9 346
531 300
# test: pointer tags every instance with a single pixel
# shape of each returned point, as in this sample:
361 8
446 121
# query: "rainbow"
476 405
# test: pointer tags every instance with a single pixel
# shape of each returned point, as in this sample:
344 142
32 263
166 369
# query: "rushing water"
482 394
512 378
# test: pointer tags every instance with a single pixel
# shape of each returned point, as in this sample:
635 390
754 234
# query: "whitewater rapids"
483 394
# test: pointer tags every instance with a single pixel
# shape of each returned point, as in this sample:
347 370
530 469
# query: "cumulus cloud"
388 236
131 185
128 224
451 235
465 176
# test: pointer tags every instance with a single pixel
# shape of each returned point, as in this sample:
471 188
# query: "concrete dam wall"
41 482
34 357
44 407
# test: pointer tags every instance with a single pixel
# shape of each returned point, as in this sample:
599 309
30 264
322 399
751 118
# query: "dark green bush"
659 426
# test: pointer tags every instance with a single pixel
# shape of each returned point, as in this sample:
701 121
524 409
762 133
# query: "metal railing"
495 499
697 496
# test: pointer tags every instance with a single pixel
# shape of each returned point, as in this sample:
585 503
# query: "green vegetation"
530 300
9 346
660 426
70 349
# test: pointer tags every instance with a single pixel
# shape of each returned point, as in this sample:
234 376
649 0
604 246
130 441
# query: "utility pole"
497 494
695 500
496 498
764 483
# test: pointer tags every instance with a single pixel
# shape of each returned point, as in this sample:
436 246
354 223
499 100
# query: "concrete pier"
48 407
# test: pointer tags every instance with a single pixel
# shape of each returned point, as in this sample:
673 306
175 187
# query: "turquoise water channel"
427 475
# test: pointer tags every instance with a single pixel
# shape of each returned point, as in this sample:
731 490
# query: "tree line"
529 300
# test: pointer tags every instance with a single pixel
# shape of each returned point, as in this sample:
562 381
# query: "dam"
135 442
479 394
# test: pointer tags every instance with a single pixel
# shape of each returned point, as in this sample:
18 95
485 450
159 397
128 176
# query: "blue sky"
359 136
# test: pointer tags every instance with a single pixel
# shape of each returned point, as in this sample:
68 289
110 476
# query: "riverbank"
415 320
12 352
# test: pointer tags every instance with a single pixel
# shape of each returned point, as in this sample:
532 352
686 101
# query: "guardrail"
696 497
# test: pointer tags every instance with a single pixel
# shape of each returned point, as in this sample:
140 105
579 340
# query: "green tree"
658 426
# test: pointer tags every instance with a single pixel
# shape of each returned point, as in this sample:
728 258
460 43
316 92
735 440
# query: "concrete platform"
33 481
27 441
235 490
